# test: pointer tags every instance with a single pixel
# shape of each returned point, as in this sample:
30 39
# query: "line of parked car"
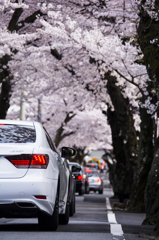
86 178
38 181
35 180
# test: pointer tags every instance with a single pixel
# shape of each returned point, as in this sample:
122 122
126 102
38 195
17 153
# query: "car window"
76 168
11 133
95 174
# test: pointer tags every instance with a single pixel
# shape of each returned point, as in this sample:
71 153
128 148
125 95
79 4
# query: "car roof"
17 122
74 163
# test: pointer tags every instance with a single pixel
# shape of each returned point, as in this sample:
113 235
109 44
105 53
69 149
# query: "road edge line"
115 228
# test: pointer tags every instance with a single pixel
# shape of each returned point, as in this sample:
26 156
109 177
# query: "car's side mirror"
68 152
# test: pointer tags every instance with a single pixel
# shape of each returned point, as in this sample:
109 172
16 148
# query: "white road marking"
111 217
115 228
86 222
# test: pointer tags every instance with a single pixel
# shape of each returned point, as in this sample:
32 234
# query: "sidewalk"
132 224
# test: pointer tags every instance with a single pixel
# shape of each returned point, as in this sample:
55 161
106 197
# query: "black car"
81 179
72 189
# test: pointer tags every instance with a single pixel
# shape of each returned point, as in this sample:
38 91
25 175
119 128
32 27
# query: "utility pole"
39 110
123 10
22 107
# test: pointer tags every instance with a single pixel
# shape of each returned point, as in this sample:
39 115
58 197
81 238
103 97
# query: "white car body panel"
18 185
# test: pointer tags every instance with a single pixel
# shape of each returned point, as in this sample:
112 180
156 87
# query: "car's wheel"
47 222
81 192
87 189
101 191
64 218
72 206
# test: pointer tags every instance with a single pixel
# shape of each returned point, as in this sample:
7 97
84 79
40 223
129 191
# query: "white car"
34 177
95 182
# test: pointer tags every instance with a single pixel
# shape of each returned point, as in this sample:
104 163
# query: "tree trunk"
152 192
5 76
124 139
59 134
148 31
144 162
80 154
5 92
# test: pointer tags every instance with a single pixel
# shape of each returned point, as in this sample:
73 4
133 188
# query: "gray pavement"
132 222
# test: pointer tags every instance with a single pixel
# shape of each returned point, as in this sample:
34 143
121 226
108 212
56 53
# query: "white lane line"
86 222
108 206
111 217
115 228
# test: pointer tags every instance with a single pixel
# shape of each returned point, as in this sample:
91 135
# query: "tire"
72 206
87 190
101 191
47 222
81 192
64 218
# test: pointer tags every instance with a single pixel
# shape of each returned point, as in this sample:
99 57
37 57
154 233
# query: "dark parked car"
81 179
72 189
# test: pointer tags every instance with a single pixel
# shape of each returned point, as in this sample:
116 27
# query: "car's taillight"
20 161
29 160
40 196
84 176
79 177
98 180
39 161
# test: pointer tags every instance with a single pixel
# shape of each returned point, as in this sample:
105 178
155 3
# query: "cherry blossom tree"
72 55
148 39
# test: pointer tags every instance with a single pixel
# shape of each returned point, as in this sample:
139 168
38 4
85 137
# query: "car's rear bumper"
18 196
95 187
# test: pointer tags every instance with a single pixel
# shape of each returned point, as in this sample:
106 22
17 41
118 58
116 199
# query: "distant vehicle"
96 163
81 179
95 182
93 165
34 178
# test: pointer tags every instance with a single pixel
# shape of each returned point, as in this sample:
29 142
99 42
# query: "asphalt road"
94 220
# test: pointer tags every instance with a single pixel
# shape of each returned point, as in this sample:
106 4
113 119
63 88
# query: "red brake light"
20 161
28 160
39 161
88 171
79 177
99 180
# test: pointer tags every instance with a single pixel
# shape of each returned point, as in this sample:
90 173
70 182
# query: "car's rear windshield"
11 133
